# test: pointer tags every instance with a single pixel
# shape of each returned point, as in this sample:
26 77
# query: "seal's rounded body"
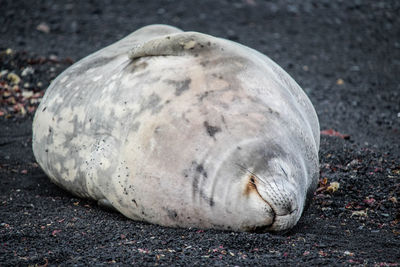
181 129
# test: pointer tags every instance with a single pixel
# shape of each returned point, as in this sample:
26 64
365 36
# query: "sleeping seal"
182 129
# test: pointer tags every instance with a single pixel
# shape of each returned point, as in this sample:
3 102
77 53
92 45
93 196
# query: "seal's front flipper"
153 31
104 203
177 44
122 47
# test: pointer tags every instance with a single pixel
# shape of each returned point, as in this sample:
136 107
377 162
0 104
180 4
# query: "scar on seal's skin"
211 130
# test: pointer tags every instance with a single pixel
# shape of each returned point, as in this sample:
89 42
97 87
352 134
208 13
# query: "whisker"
246 170
259 178
241 167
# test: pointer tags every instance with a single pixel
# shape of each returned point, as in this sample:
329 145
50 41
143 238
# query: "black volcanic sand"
346 56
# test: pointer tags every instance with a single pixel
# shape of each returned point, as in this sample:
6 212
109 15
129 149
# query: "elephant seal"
181 129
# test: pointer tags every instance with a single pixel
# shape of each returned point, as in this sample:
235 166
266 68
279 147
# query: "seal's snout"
283 198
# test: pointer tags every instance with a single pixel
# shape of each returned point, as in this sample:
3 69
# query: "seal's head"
278 193
271 186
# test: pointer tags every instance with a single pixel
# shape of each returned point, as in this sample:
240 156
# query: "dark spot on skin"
151 103
90 120
239 148
49 129
200 169
180 86
195 184
168 101
215 75
168 37
184 117
223 119
134 201
46 150
204 63
156 110
270 110
211 130
204 95
44 109
172 214
135 126
185 173
211 202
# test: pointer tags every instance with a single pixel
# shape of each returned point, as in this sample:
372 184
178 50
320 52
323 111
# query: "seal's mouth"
251 188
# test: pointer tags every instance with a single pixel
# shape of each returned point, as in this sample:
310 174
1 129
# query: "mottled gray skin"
182 129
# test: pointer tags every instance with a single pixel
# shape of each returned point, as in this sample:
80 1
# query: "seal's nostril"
287 208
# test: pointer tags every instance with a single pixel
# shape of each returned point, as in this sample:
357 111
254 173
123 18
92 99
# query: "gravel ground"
345 55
